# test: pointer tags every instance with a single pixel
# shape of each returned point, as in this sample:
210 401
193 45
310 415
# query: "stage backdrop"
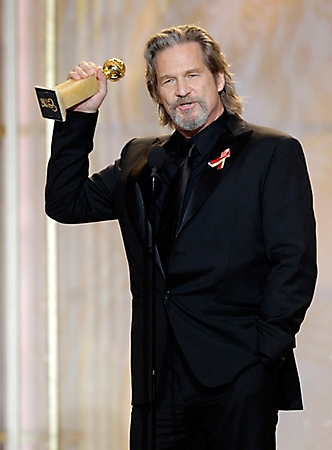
65 304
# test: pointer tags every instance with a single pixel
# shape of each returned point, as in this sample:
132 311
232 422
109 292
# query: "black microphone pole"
157 159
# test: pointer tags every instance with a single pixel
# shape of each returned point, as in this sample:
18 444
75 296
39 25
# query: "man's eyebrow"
164 77
188 71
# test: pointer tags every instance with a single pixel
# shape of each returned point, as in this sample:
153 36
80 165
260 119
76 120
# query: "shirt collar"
207 138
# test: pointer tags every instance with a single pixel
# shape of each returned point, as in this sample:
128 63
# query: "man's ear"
220 80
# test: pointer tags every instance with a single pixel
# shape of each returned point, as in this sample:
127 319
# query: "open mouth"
186 106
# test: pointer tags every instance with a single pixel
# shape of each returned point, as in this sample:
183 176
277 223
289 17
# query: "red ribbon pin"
220 162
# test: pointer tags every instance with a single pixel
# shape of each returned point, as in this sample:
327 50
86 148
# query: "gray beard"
188 123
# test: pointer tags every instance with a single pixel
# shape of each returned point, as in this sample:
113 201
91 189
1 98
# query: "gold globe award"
54 102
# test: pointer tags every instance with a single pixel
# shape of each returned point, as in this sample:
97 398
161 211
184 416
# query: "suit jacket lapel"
211 176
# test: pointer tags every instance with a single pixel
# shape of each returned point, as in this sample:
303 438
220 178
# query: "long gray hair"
214 60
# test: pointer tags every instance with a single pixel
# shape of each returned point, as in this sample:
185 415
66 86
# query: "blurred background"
65 303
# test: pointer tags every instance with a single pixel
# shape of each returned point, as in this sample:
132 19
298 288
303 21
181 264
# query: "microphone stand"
154 179
157 159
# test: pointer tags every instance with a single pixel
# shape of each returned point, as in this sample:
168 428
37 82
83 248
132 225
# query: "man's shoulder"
138 148
142 145
238 125
149 141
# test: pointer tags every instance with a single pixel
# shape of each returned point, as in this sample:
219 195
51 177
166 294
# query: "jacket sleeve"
290 245
71 195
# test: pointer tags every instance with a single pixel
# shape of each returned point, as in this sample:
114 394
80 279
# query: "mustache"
185 100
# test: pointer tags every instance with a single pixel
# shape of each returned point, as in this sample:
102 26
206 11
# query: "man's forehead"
186 56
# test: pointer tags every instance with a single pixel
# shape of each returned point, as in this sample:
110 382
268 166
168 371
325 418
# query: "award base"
54 102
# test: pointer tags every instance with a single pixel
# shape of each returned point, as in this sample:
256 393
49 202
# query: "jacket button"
167 295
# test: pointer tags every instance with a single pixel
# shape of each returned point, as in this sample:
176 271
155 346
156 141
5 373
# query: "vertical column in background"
11 306
52 255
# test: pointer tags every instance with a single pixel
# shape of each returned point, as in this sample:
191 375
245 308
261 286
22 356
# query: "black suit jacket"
243 268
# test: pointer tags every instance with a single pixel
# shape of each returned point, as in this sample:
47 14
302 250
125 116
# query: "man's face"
187 89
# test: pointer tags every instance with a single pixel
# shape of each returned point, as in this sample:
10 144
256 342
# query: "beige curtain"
65 302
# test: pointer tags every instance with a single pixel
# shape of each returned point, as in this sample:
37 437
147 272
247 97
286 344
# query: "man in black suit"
234 283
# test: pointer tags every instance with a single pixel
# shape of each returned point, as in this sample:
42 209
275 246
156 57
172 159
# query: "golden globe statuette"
54 102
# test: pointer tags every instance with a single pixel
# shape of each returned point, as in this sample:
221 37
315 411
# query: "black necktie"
173 203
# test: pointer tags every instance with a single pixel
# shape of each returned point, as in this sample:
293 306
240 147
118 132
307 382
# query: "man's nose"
183 88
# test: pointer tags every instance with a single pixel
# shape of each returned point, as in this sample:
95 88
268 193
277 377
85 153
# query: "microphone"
157 159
